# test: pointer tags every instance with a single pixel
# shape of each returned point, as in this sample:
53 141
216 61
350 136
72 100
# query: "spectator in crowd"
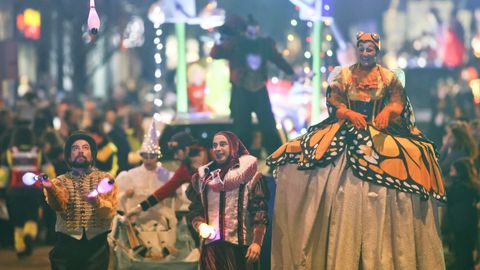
458 143
107 155
461 219
135 134
454 42
6 128
118 136
24 199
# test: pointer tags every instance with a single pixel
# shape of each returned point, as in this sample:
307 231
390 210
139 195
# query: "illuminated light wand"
105 185
30 178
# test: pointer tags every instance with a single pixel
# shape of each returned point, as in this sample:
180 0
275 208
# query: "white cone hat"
150 141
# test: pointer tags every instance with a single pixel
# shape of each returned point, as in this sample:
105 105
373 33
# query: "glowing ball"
29 178
105 186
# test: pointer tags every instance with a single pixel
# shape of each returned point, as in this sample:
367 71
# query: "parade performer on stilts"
359 190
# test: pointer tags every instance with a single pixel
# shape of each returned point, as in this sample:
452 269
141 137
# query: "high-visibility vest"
21 162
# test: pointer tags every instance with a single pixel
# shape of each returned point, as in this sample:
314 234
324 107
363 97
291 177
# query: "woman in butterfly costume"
359 190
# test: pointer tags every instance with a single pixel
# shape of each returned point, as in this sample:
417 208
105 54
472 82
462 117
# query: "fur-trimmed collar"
241 173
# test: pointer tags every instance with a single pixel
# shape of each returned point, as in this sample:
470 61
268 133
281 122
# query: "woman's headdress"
369 36
237 149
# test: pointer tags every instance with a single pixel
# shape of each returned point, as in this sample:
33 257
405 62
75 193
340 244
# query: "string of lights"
157 17
157 88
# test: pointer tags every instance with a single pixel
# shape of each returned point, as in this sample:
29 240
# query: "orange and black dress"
352 198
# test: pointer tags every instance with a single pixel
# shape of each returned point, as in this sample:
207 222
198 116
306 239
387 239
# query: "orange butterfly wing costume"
400 157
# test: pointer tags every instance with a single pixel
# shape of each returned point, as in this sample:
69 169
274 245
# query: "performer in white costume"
139 182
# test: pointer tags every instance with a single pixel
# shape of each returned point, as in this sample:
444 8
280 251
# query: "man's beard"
85 163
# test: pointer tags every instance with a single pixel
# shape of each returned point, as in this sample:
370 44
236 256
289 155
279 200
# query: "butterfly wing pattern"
408 164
